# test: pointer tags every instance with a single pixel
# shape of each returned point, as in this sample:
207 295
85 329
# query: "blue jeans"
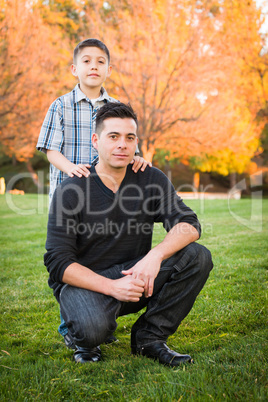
63 330
91 317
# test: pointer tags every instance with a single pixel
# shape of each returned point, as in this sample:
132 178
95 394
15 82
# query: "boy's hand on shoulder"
139 163
79 170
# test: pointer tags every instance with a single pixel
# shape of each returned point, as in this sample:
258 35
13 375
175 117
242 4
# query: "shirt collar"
79 95
104 95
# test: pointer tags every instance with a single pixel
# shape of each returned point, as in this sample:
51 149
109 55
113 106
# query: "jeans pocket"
186 257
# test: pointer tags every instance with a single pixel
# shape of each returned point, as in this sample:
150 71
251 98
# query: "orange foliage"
193 71
32 56
184 68
243 94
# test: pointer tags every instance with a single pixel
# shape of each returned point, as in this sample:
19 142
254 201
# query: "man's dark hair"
114 110
90 43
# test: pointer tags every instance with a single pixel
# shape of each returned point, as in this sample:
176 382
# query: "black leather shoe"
69 342
161 352
111 339
85 355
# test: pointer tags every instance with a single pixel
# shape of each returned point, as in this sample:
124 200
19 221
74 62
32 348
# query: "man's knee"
89 316
203 256
195 257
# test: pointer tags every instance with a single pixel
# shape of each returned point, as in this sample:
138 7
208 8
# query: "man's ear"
73 70
94 140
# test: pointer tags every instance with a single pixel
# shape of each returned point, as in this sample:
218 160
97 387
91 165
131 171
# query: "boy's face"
91 68
117 142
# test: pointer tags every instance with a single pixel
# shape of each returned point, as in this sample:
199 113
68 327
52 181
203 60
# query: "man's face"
117 142
91 67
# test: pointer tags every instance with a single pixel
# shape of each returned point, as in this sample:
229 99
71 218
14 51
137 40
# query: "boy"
69 124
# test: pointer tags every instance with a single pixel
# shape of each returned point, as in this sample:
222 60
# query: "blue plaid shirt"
68 128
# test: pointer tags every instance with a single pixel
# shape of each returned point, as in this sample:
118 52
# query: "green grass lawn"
225 333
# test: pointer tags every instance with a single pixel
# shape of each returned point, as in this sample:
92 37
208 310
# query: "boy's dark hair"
114 110
91 43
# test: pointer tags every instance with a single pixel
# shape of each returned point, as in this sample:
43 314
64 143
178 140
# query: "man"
99 253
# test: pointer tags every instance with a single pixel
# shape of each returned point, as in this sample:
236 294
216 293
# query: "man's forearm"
176 239
81 277
126 289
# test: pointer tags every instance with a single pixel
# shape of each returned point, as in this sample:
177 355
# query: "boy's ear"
94 140
109 70
73 70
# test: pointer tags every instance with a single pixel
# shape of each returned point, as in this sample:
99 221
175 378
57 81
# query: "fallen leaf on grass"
10 368
5 352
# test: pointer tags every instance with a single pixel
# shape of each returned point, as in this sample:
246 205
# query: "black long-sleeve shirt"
91 225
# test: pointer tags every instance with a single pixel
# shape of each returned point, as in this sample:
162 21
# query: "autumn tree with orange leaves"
245 90
184 66
195 72
160 67
33 60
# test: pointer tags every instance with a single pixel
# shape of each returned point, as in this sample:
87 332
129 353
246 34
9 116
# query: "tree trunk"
14 160
147 151
232 179
167 169
33 174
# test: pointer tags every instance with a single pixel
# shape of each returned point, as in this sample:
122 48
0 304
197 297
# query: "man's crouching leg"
177 285
90 318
